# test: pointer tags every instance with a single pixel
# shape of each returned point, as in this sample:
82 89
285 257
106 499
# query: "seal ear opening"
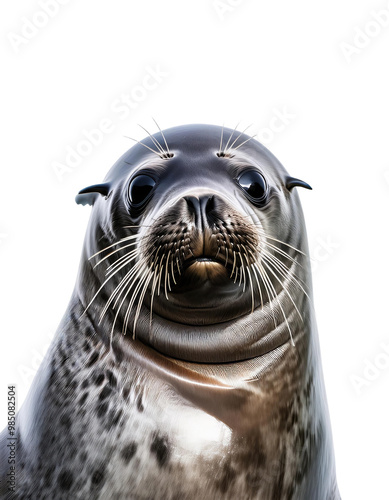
88 195
292 182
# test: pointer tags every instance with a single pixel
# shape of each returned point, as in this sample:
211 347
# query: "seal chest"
187 364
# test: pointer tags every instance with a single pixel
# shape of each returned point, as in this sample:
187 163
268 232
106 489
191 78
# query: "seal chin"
204 294
204 302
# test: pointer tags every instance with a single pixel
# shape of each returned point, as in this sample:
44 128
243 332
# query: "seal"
187 364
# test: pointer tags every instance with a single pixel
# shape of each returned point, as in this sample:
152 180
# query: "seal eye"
254 184
140 189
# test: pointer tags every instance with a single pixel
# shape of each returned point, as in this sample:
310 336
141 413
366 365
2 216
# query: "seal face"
189 350
193 240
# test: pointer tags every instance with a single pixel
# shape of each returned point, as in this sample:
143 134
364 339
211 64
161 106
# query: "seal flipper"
88 195
291 182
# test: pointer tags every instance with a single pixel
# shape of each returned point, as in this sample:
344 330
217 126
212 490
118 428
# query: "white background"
226 62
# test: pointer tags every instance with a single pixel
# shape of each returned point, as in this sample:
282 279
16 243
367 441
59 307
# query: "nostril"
191 202
200 207
210 204
194 209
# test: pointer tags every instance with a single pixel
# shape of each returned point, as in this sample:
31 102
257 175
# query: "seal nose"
200 207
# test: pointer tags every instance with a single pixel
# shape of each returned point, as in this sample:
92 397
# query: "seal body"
187 364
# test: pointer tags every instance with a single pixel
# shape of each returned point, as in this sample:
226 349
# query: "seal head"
189 245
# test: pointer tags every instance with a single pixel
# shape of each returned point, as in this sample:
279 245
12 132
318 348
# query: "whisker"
155 142
160 274
122 302
137 226
102 286
166 273
178 266
127 238
172 268
240 135
269 299
155 279
279 241
115 251
134 295
250 265
128 257
119 290
144 145
270 289
221 141
279 304
259 287
141 298
244 142
266 263
236 273
281 252
242 267
163 136
133 274
286 272
251 285
232 133
233 266
168 282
